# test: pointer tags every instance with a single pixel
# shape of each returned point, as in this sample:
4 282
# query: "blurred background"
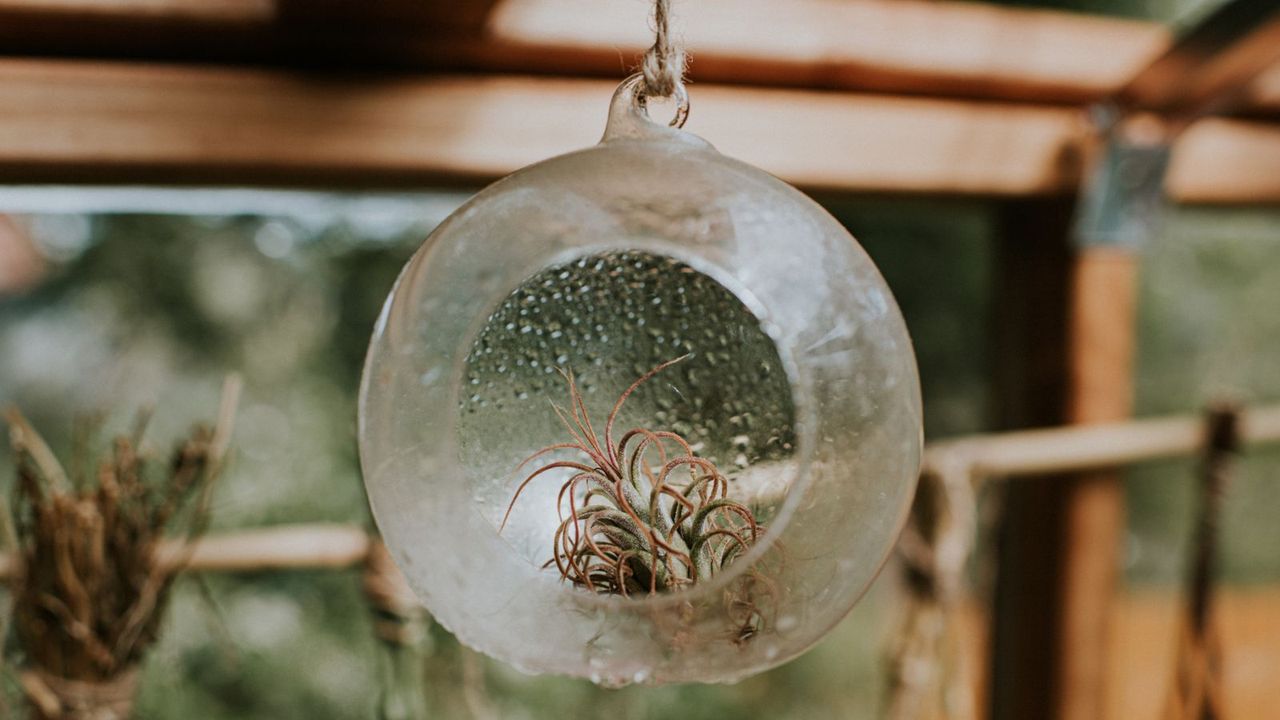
134 279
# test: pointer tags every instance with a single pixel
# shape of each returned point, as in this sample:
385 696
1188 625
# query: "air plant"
642 514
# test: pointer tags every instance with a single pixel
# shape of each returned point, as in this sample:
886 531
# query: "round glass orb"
745 495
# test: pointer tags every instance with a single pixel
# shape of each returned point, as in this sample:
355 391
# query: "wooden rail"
284 547
1077 448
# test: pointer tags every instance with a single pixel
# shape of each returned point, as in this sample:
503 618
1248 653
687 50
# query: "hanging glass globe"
640 413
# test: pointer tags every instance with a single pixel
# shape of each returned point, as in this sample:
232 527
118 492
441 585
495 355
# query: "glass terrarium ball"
640 413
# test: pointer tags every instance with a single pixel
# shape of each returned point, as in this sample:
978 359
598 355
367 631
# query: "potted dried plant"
95 554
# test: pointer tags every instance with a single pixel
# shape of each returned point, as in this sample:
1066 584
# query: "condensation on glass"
799 383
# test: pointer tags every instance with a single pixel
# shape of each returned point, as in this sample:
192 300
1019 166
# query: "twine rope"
664 63
1196 692
927 674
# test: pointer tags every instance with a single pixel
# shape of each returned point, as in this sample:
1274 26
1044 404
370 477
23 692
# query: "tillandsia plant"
642 514
97 549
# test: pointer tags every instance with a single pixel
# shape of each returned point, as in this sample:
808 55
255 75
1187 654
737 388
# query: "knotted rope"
927 677
664 63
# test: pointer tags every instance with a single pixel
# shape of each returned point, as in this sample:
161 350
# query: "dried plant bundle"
643 514
90 583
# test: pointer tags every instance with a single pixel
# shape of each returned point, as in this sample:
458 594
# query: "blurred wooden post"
1064 349
1100 389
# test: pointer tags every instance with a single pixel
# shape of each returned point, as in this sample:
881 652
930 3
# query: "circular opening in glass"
548 369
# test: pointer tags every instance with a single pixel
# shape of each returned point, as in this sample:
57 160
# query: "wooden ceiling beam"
253 14
300 33
1213 66
903 47
75 121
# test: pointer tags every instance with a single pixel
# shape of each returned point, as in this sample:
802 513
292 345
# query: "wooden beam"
1209 67
1225 162
989 51
240 15
1264 93
967 50
333 34
79 121
240 12
905 46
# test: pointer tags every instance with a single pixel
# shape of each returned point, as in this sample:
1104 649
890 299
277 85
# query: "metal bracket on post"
1122 199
